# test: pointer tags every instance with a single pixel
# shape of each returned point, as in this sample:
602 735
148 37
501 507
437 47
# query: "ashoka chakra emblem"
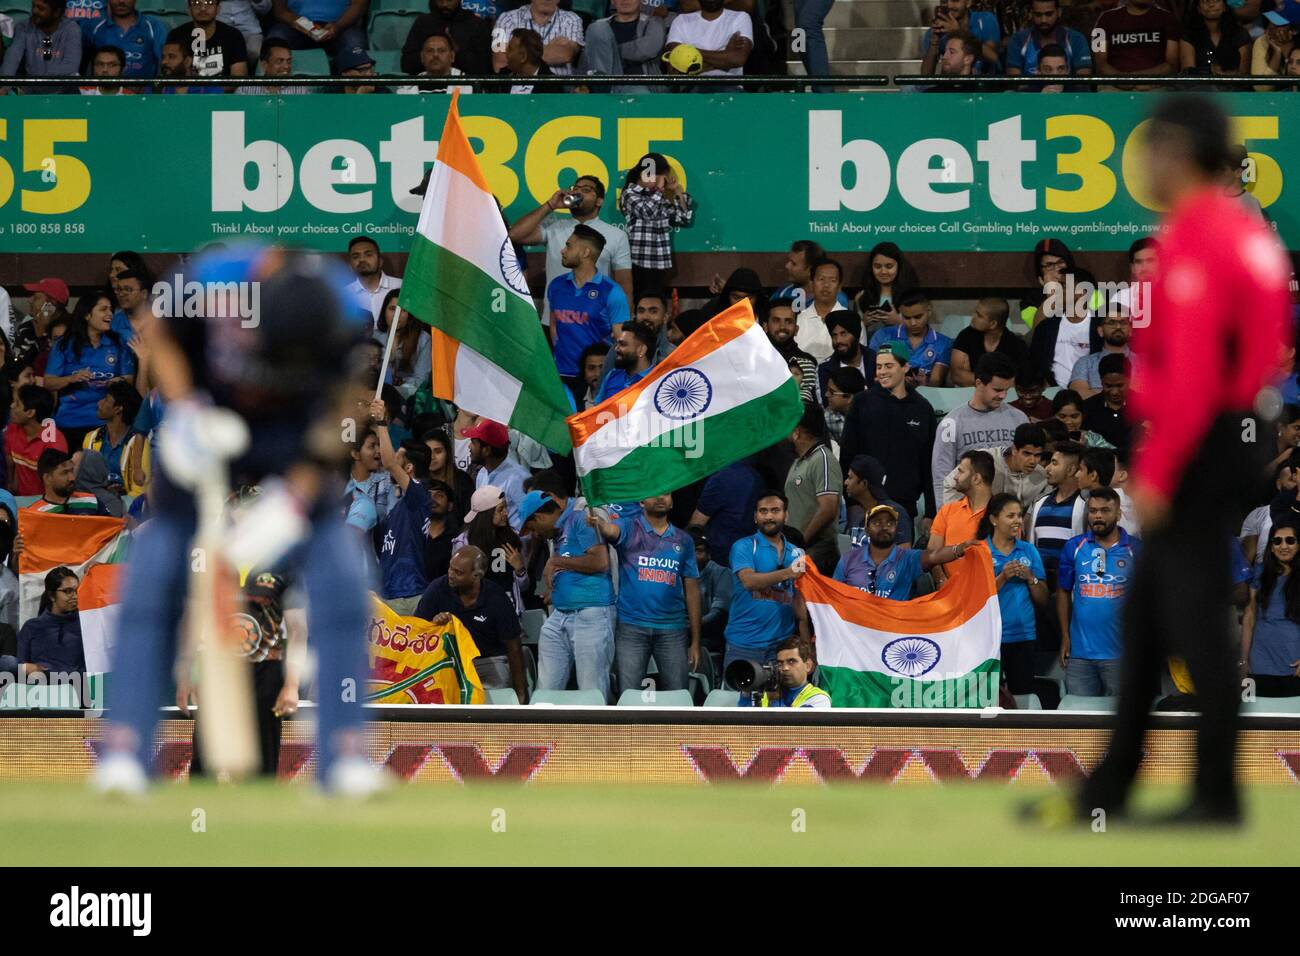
910 656
685 393
510 270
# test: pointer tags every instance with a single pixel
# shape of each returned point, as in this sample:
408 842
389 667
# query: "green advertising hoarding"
991 172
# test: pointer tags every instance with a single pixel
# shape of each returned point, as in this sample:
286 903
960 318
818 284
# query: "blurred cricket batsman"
277 377
1219 326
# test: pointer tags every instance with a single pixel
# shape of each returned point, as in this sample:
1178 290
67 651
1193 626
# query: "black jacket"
900 433
1042 345
473 36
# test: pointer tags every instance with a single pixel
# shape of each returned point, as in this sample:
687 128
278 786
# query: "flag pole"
388 354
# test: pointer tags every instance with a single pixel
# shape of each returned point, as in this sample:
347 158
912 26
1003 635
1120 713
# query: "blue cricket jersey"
1013 597
617 380
573 590
583 317
142 42
761 620
1098 578
651 573
111 360
935 348
892 578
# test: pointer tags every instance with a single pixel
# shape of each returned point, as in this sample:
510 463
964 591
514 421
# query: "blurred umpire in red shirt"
1219 323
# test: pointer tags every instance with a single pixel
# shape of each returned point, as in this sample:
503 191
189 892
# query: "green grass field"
270 825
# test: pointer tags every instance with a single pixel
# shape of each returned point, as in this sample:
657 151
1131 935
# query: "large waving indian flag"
490 355
940 650
50 540
724 393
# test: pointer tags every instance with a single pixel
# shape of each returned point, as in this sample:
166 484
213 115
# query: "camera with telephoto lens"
752 678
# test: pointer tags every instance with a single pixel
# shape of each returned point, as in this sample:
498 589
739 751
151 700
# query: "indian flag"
722 394
940 650
50 540
490 355
97 606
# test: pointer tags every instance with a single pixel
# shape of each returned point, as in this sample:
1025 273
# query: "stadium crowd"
169 39
914 445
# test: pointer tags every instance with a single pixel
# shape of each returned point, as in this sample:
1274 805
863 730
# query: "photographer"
794 665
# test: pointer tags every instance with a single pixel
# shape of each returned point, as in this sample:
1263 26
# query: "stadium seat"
1028 702
1272 705
1075 702
502 695
388 31
722 698
530 668
845 543
172 18
699 689
953 324
945 400
388 62
531 621
414 7
707 675
1054 670
569 698
311 63
1049 690
663 698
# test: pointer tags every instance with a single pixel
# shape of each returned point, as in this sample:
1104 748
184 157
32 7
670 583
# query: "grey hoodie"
92 476
1028 488
964 429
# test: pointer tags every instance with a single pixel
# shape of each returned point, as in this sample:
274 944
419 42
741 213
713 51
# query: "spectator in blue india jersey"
763 600
634 349
138 35
1025 46
586 306
885 567
83 363
1092 580
579 633
929 353
1019 579
658 596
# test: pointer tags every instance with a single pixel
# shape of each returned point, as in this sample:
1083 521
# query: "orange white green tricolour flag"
939 650
49 540
490 355
722 394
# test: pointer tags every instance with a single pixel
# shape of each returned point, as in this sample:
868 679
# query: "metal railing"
985 84
780 84
783 84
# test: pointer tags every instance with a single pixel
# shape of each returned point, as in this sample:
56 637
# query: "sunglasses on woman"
1287 540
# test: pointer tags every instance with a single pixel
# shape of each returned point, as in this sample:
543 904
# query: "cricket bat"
229 738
